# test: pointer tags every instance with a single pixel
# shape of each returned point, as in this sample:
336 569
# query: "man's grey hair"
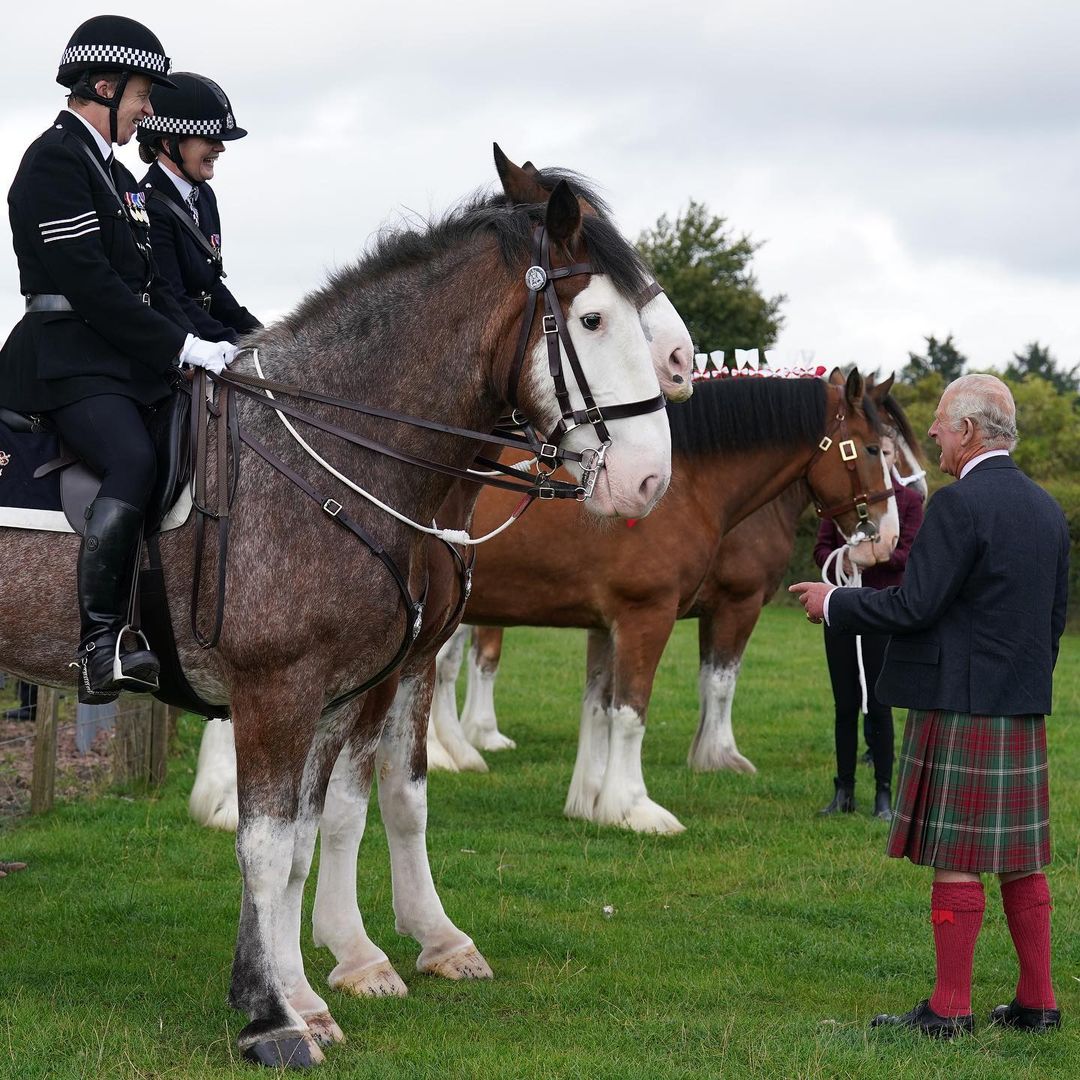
988 403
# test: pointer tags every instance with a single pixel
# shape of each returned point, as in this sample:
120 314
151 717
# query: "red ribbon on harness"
631 522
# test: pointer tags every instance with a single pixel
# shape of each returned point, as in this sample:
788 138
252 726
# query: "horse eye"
875 450
591 321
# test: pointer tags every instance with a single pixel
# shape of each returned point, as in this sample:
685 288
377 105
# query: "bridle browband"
861 500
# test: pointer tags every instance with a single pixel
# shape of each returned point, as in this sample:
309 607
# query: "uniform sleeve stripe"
65 220
71 228
72 236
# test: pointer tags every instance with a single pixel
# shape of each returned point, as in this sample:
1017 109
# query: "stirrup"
144 678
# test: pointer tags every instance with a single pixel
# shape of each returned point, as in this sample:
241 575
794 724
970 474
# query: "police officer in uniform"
181 142
100 335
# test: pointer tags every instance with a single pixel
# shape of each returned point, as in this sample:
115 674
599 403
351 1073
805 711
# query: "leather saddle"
169 426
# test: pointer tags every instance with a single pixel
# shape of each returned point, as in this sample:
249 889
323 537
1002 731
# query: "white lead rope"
848 579
452 536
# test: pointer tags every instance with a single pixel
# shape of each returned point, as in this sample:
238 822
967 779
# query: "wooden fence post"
159 742
43 781
131 746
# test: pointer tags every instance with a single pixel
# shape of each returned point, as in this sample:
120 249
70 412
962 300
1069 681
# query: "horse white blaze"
618 365
478 713
213 795
592 755
362 967
671 346
714 744
623 799
915 476
867 553
445 950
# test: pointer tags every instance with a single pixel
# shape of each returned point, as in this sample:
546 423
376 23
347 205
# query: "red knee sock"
1026 902
956 910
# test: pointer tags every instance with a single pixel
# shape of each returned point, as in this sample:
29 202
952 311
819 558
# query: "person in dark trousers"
975 629
100 334
841 654
182 142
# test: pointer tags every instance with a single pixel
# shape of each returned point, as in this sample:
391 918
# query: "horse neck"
735 483
433 360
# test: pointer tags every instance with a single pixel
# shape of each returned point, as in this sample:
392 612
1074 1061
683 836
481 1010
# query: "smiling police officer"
100 335
182 142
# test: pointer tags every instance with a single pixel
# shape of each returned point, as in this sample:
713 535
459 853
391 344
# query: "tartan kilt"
972 793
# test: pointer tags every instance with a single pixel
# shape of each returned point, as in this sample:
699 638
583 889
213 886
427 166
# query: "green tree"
1036 361
942 357
705 271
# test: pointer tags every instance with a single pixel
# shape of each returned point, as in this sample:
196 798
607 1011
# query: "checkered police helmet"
113 43
195 105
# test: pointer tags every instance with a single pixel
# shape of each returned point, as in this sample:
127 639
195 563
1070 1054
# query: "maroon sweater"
910 508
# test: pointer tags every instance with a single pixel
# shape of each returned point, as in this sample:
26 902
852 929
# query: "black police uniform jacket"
193 275
77 237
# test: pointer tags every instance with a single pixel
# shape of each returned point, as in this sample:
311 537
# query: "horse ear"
531 170
563 217
881 390
854 388
519 184
836 377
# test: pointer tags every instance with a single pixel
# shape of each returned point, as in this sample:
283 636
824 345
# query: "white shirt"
963 472
104 148
185 187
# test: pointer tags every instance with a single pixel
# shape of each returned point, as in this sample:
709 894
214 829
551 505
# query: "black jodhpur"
108 431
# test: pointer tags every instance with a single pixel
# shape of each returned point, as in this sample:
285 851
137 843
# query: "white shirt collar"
104 148
183 186
981 457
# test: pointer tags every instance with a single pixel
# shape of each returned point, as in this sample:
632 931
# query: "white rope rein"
453 536
848 579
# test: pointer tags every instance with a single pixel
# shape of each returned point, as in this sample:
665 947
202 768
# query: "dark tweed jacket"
975 625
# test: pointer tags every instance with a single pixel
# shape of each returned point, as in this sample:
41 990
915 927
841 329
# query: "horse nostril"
677 379
649 488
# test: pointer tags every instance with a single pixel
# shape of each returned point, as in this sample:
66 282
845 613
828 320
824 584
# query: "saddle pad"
27 502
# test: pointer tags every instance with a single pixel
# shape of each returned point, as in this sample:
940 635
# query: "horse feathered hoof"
289 1052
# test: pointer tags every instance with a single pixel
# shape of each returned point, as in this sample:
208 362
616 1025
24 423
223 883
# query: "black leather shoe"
922 1018
24 712
883 803
843 801
1017 1016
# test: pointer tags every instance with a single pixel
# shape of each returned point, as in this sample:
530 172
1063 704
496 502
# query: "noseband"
860 500
540 279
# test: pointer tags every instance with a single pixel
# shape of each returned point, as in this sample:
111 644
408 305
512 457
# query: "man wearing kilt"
975 629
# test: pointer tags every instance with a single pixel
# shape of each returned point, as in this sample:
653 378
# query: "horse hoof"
324 1029
644 817
466 963
288 1052
491 741
722 760
375 980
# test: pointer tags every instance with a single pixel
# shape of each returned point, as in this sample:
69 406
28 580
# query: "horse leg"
213 795
722 636
402 771
362 967
478 714
274 735
444 713
639 639
595 728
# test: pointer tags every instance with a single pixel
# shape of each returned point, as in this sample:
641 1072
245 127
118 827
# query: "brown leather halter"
861 500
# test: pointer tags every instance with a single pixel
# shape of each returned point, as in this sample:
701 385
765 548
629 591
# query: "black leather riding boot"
107 561
843 801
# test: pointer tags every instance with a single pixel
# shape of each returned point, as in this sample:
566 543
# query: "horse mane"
895 415
411 245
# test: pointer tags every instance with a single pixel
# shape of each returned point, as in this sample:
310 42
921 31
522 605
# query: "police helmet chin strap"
83 89
174 155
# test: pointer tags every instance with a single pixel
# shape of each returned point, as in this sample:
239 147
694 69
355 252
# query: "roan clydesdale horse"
312 614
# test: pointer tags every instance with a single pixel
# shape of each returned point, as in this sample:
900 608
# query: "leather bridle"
861 499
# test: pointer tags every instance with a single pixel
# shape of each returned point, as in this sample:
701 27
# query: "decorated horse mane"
744 414
397 249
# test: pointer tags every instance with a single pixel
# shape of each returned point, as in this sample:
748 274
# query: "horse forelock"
747 414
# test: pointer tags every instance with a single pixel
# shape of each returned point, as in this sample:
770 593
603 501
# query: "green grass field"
757 944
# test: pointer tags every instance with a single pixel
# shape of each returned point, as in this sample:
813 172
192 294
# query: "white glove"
212 355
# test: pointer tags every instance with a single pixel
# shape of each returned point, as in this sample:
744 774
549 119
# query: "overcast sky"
912 169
